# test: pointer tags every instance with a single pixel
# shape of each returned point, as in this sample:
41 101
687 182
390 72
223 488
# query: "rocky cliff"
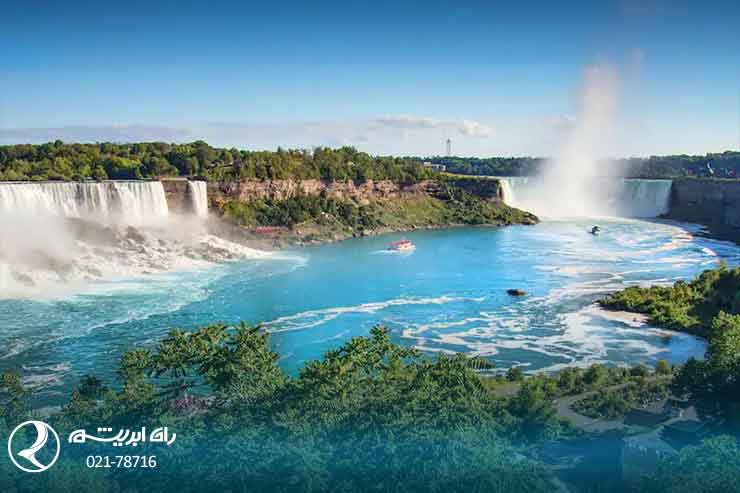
176 193
363 193
712 203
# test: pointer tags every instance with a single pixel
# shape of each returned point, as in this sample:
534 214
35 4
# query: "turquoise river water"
449 295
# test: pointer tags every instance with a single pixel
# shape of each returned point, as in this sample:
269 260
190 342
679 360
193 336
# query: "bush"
688 307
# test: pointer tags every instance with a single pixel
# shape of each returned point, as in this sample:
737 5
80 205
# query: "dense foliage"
613 403
709 306
322 214
59 161
686 306
299 209
713 466
713 385
493 166
370 416
715 381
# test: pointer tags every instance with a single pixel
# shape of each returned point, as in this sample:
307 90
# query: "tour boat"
402 246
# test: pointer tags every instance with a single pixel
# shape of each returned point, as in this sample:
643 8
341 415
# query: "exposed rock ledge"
363 193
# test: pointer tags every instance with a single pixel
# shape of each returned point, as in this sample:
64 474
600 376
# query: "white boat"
403 245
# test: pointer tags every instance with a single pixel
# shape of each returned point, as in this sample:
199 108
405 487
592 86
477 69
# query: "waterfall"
514 190
643 198
616 197
129 202
198 193
58 237
142 202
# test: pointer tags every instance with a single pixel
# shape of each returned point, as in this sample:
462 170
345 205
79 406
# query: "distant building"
449 147
435 167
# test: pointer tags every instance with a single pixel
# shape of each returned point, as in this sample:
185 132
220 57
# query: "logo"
33 455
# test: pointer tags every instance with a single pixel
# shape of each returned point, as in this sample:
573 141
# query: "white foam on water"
314 318
586 335
576 339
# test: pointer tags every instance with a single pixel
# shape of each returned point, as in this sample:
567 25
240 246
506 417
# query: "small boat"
403 245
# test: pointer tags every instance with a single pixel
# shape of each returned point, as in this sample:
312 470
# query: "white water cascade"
58 238
128 202
198 193
610 197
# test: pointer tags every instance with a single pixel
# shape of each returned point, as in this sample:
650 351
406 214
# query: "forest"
60 161
148 160
371 415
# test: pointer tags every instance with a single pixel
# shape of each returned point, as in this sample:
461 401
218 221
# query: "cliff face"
247 190
712 203
177 194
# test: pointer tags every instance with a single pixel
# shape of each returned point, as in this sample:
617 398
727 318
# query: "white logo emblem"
27 456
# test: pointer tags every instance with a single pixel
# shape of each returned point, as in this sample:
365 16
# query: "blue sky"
498 78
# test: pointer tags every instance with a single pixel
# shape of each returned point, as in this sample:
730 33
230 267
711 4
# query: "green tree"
662 367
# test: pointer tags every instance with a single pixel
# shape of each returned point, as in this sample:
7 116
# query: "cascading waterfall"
141 202
57 236
198 193
130 202
644 198
617 197
512 188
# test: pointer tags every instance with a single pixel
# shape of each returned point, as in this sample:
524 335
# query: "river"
448 295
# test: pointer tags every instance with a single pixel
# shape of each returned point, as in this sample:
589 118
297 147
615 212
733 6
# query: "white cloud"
100 133
468 128
539 135
475 129
409 122
401 134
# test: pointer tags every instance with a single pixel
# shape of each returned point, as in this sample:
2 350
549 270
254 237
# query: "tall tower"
449 147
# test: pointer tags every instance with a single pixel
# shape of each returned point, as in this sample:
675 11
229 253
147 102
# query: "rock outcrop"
363 193
176 193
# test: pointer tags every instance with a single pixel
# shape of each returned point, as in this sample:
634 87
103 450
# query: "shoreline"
286 241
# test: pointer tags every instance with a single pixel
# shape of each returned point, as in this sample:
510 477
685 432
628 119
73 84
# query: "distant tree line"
722 165
145 160
60 161
493 166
